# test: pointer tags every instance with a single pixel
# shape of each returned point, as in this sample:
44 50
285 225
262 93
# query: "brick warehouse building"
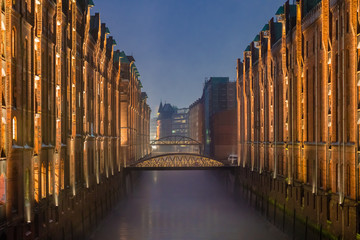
72 116
298 114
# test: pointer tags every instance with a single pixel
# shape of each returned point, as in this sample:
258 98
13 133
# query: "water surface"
183 205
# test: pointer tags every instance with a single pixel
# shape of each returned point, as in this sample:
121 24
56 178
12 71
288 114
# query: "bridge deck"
178 161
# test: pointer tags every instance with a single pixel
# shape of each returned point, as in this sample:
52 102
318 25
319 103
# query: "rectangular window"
314 43
320 40
337 29
307 49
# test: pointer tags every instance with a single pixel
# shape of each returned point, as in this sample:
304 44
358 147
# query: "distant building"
164 120
153 127
180 122
223 134
219 94
196 121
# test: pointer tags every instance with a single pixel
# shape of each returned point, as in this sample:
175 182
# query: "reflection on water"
179 205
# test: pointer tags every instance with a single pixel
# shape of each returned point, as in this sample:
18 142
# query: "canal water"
184 205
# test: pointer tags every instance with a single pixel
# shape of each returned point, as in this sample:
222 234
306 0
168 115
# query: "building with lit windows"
196 121
180 122
219 94
298 115
62 145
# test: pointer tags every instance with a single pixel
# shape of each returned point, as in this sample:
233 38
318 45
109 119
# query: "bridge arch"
175 140
178 160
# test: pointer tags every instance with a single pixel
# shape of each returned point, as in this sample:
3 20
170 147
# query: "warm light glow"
14 129
43 181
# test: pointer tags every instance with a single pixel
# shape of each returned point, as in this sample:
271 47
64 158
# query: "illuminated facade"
298 113
61 131
135 113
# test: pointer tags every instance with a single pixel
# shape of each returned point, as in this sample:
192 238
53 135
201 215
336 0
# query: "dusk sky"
179 43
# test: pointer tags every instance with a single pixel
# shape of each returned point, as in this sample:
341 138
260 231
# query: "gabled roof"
280 11
265 28
123 57
117 56
131 58
247 48
257 38
144 95
91 3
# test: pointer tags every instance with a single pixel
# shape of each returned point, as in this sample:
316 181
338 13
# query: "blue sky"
179 43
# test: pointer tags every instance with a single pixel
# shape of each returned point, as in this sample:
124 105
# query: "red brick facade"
298 104
62 119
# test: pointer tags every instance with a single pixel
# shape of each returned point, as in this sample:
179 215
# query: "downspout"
275 140
343 119
343 109
316 117
292 119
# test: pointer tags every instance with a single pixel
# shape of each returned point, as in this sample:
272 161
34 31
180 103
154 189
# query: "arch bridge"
175 140
178 160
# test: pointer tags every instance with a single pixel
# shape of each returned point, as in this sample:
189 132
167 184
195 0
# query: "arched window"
3 128
14 129
13 67
43 181
348 180
2 188
36 180
57 175
27 196
13 42
50 178
62 176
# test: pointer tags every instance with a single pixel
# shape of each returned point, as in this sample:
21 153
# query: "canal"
198 204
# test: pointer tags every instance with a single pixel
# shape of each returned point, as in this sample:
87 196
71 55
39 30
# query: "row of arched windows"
45 179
